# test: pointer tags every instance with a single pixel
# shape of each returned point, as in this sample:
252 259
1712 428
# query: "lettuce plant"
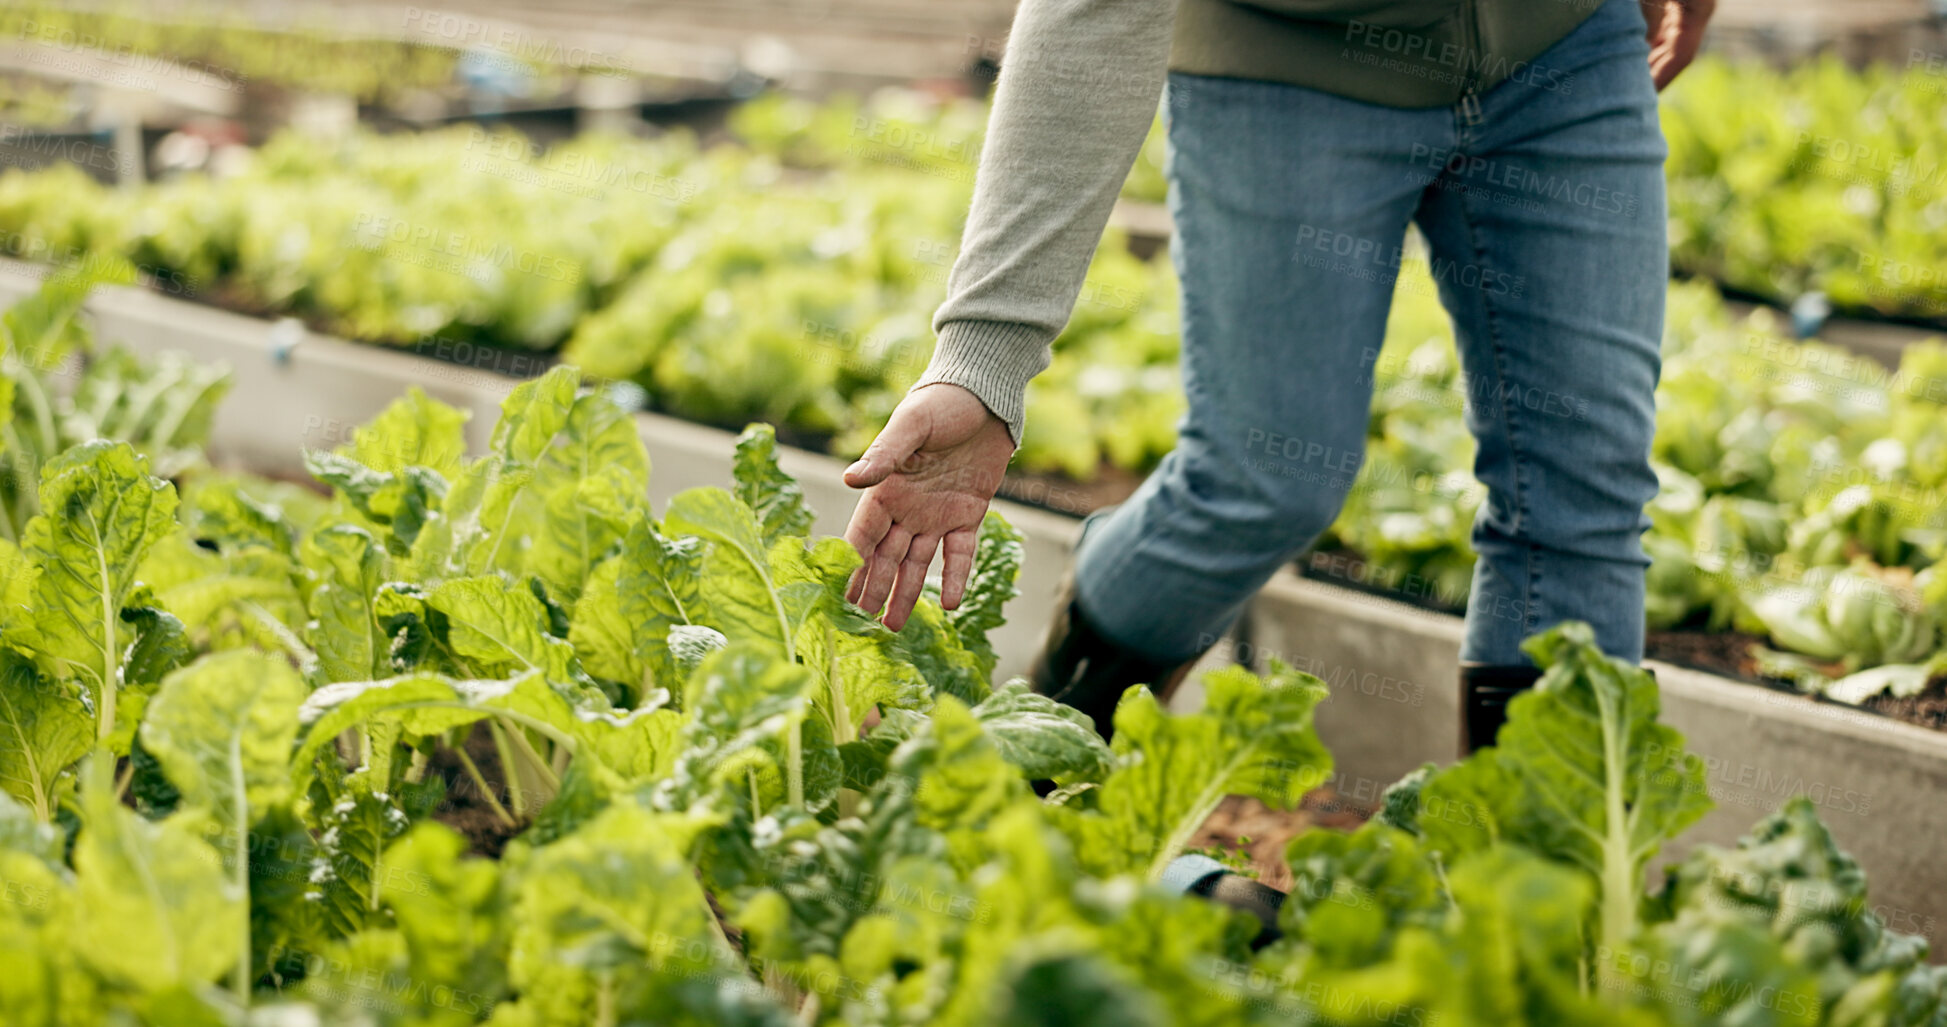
521 751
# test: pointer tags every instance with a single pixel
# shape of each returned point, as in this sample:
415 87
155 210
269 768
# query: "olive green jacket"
1401 53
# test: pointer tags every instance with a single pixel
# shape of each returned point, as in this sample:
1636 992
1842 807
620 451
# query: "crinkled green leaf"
347 568
154 906
771 494
1252 738
244 596
747 703
44 729
997 565
354 823
412 431
451 912
500 629
1046 740
1788 878
1582 771
402 502
1352 894
221 510
928 642
534 412
640 745
101 513
223 728
630 603
589 483
616 897
161 645
737 589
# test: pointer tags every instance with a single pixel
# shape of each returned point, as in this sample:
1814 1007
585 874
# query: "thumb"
901 438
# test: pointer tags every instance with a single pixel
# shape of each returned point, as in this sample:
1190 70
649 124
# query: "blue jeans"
1543 209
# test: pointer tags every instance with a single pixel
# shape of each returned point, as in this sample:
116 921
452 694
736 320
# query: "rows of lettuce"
240 716
234 51
1803 499
1820 178
730 287
1803 486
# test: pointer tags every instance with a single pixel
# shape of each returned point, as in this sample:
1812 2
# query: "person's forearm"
1077 91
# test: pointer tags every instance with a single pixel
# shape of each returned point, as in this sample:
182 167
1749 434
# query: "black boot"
1080 667
1484 693
1199 875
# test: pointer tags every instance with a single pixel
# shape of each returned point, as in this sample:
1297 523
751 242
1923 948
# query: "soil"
1927 709
1270 830
1719 652
465 810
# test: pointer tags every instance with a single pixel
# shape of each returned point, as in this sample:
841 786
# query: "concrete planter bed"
1390 666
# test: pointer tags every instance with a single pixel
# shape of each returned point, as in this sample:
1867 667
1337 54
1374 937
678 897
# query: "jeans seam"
1494 341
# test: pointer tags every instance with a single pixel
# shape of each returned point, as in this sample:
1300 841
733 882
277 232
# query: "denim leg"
1546 227
1290 209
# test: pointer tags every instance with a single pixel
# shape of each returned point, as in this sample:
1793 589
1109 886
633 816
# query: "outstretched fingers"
882 567
868 527
957 552
912 579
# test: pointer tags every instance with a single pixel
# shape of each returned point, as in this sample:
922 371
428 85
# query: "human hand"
1676 31
928 478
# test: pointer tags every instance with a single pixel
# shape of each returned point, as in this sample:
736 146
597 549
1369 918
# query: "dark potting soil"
1727 653
465 809
1927 709
1269 830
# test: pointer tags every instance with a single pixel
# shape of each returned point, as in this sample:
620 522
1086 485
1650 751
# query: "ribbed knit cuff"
993 360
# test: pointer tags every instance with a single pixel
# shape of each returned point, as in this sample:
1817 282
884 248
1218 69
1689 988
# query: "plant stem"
515 793
240 980
480 782
109 665
605 998
1618 890
794 758
526 748
841 715
29 385
756 808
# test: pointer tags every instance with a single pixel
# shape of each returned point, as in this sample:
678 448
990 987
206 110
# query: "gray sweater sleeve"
1078 88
